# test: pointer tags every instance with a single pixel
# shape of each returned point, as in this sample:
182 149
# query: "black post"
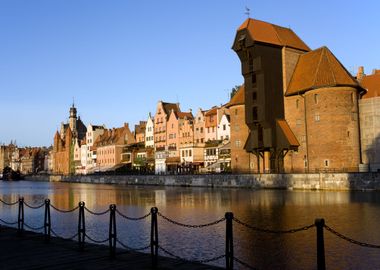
112 230
321 264
47 221
154 237
81 226
20 221
229 241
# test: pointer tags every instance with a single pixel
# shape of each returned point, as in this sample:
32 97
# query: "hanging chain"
96 213
305 228
191 226
132 218
350 239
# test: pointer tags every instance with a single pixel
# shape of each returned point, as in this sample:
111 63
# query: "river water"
354 214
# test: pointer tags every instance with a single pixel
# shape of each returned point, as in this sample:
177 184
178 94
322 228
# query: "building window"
224 127
317 118
327 163
201 129
237 143
189 153
254 78
297 103
316 98
352 98
250 62
236 111
348 134
260 134
298 122
254 95
254 113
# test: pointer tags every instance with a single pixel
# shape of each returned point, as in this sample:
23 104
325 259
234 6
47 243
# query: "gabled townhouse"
223 131
77 156
149 132
160 134
110 145
211 124
199 140
187 149
93 132
140 132
172 141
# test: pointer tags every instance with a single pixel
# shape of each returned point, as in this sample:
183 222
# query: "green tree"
234 90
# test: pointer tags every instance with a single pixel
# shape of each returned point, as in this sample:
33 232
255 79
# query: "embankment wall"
312 181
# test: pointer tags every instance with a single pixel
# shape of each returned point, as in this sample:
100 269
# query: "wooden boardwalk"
30 251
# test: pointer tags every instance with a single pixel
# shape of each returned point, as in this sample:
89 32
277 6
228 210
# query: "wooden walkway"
30 251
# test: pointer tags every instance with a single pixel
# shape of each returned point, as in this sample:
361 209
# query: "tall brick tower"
260 46
73 119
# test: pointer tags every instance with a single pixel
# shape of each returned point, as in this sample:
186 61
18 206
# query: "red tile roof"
238 98
181 115
273 34
168 107
372 84
317 69
288 133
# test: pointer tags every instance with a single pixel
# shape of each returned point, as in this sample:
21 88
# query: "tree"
234 90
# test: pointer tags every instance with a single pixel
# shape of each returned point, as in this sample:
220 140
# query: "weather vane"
247 11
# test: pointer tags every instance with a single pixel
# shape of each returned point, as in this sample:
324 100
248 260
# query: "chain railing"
154 245
254 228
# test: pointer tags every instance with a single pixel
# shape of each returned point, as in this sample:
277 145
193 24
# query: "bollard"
112 230
20 221
81 226
321 264
47 221
154 237
229 241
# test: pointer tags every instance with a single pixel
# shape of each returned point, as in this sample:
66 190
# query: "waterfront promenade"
31 251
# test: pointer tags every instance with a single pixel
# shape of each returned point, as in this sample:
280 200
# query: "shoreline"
369 181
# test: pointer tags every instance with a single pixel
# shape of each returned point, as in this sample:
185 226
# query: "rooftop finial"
73 103
247 11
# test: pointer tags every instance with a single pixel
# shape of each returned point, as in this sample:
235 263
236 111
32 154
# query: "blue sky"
118 58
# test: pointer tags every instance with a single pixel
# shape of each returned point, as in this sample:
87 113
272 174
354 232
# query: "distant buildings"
299 110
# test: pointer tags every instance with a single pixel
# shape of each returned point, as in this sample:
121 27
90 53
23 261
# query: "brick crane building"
301 105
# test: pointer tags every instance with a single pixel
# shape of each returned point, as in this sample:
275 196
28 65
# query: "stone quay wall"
312 181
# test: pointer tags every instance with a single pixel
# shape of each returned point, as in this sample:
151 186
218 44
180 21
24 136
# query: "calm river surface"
354 214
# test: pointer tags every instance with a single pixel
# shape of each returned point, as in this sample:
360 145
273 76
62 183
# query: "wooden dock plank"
30 251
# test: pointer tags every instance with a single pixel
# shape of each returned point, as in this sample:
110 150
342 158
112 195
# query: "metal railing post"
112 230
154 237
321 264
47 221
20 221
81 226
229 241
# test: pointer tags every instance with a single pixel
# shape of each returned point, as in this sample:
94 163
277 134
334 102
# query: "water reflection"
355 214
